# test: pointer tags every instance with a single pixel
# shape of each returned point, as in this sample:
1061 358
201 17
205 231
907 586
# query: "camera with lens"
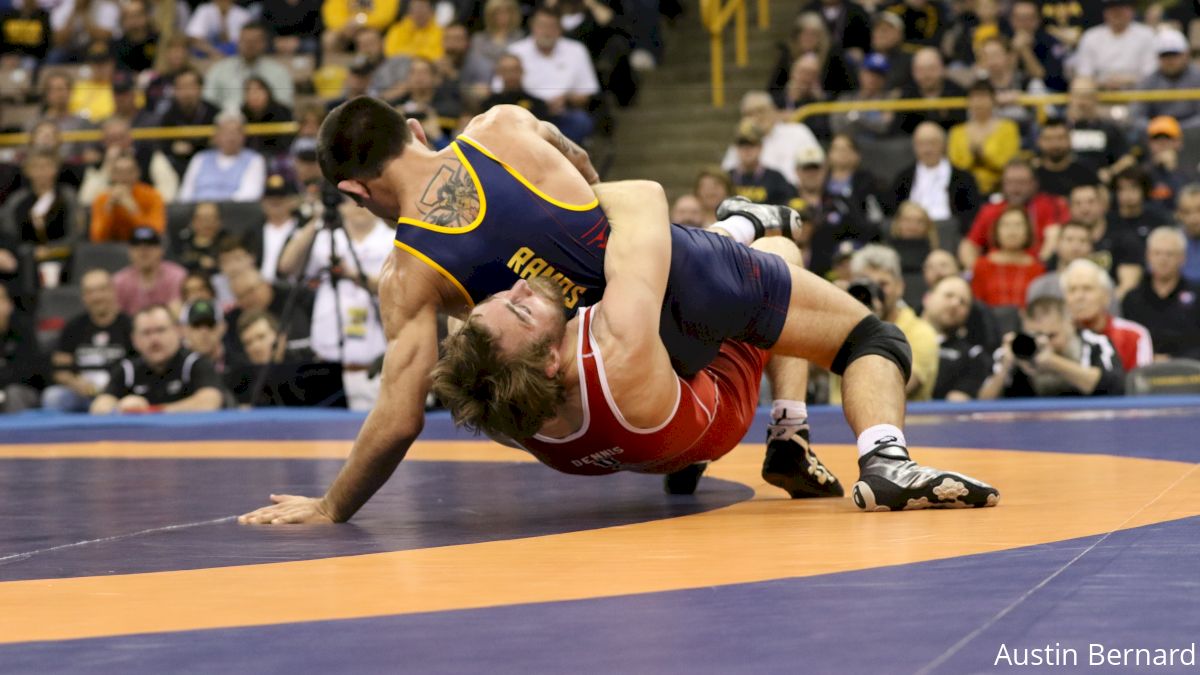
868 293
1024 346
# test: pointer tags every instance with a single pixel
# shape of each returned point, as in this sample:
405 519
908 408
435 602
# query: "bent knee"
781 246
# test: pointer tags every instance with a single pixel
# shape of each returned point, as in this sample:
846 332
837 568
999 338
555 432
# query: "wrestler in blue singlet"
717 289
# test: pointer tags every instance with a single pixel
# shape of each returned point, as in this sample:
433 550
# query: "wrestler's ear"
554 363
353 187
418 131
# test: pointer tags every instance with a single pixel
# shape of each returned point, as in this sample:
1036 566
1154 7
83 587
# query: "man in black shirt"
962 365
163 377
1066 361
750 178
1097 141
253 293
20 361
138 45
25 30
89 346
510 71
1058 172
1166 303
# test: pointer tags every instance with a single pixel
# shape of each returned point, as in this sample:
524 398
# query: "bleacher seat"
239 218
1177 376
56 306
111 256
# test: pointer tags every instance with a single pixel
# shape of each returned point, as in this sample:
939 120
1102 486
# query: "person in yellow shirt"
92 97
983 144
344 18
416 35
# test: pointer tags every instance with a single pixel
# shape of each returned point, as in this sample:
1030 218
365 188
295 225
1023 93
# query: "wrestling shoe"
685 480
792 465
889 481
768 219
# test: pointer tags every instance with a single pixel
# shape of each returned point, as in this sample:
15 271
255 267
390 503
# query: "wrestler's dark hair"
358 138
489 393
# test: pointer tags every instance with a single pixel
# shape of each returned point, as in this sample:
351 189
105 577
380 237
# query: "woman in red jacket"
1002 276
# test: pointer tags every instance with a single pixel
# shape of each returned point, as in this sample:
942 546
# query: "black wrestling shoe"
889 481
792 465
685 480
769 219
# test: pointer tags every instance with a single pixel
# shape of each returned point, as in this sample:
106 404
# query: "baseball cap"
810 155
201 313
277 186
1164 125
748 134
890 18
144 235
1171 41
876 63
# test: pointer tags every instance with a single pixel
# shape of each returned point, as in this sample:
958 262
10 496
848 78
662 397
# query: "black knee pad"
874 337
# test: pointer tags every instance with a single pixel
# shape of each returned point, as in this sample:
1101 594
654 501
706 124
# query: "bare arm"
1084 378
1128 277
571 150
103 404
292 255
208 398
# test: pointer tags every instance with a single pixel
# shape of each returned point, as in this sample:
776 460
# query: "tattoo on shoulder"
566 145
450 198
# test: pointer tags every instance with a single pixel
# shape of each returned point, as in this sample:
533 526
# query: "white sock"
740 228
787 418
880 434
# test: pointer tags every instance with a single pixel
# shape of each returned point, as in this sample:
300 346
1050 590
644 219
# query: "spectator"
512 92
1187 212
295 25
233 258
1166 303
929 81
711 188
173 57
560 71
848 179
810 36
608 42
1096 140
981 323
887 38
148 280
186 108
197 285
750 178
138 44
687 211
1040 55
346 329
1074 242
92 97
203 329
912 235
1167 174
1002 276
1175 72
258 334
359 78
948 194
501 30
1089 293
151 164
802 88
163 377
1119 53
998 67
1133 213
78 24
253 293
1018 189
872 80
89 346
20 361
215 26
128 102
847 22
984 143
196 247
126 205
452 67
1118 252
279 210
1058 171
56 108
25 30
924 21
224 81
345 19
782 141
427 97
1066 361
1066 19
963 365
881 266
830 219
416 34
228 173
387 78
260 107
45 215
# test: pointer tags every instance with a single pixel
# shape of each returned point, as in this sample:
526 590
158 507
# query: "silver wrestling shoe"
769 219
890 481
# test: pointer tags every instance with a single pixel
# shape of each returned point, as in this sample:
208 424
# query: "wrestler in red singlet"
713 411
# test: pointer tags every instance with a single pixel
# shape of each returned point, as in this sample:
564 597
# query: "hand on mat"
288 510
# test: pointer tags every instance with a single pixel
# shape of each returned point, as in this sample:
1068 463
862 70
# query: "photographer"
345 325
1051 358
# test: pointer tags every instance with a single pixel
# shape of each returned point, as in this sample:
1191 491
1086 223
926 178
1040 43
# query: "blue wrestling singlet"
717 289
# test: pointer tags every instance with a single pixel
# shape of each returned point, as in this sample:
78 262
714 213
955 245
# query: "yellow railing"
715 15
1041 102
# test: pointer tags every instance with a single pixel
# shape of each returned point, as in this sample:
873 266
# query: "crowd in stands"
194 271
1024 251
